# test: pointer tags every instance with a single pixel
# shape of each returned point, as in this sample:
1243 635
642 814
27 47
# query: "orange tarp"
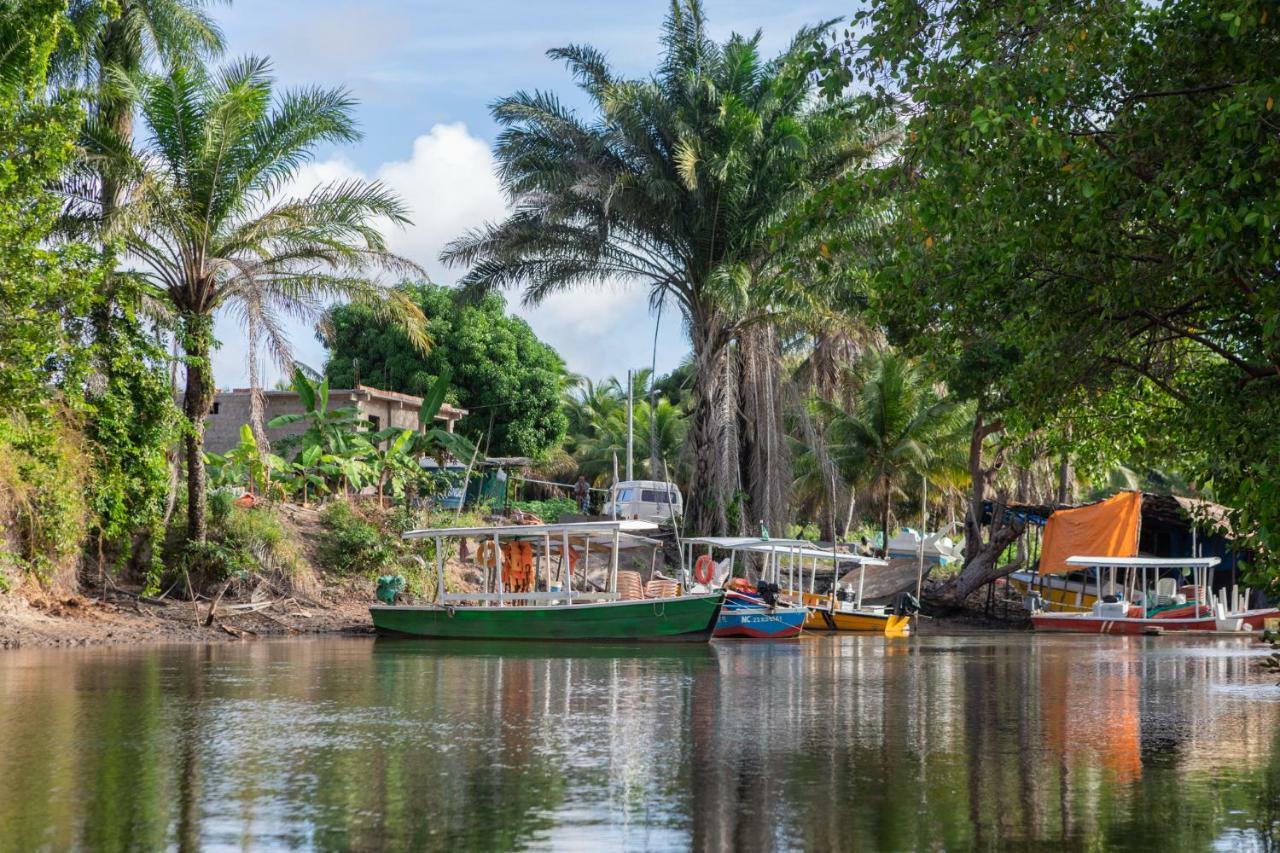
1105 529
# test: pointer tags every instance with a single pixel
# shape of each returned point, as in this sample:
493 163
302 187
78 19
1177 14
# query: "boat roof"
1145 562
575 528
798 547
735 543
812 551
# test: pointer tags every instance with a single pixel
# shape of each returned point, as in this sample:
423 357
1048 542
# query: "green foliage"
242 542
1089 224
499 369
365 541
597 414
44 514
897 431
551 510
352 544
44 290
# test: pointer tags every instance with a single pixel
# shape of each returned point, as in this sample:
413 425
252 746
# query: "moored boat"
793 566
1144 602
521 603
751 610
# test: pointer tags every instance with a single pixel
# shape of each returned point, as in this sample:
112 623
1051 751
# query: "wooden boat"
518 604
788 561
751 611
750 617
1056 591
1149 611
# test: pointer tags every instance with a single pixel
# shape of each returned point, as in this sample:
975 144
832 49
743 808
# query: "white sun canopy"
1144 562
576 528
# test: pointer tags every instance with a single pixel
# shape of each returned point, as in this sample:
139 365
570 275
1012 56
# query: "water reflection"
826 743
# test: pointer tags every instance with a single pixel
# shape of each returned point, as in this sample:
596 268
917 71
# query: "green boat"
687 617
532 598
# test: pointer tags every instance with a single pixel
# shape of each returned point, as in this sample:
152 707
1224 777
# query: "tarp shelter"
1105 529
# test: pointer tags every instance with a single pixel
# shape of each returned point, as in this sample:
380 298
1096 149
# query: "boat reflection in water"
831 742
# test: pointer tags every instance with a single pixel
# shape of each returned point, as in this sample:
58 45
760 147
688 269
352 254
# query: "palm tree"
897 430
679 182
210 224
105 43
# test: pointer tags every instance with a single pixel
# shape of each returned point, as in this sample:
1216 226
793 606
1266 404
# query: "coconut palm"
211 226
897 430
679 182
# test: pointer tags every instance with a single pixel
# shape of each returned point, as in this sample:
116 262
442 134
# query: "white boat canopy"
576 528
791 547
1144 562
735 543
810 551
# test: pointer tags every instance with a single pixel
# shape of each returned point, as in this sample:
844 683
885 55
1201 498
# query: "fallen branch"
214 606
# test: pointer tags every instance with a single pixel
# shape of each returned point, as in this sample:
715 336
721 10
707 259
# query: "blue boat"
750 616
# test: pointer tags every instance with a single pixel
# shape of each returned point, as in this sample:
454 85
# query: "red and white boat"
1140 601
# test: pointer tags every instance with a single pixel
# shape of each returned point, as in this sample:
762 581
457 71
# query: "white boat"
939 549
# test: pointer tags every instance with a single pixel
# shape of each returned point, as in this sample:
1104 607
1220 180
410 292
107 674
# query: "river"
824 743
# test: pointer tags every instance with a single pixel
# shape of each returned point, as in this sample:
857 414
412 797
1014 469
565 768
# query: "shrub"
550 510
352 544
44 515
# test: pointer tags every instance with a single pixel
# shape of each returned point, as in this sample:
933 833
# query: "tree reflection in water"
844 742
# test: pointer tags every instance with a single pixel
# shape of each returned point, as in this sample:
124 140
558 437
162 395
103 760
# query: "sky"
424 73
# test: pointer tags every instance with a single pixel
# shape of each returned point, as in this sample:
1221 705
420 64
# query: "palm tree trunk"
197 343
884 525
711 486
766 460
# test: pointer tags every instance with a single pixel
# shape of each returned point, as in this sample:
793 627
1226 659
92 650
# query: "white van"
646 500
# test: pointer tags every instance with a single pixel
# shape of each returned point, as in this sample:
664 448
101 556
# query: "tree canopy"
1087 228
502 374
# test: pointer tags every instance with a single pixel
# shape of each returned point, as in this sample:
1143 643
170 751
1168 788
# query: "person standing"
582 493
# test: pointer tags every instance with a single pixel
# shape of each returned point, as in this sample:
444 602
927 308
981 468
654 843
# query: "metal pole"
630 425
439 570
924 525
568 566
497 562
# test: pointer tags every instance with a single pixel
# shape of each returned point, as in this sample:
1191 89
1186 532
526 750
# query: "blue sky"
425 74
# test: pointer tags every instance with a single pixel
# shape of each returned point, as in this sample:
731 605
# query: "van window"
651 496
623 495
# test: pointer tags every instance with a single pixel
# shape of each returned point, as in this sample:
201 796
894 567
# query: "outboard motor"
906 605
768 592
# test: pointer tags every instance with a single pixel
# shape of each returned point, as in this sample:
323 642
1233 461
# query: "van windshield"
623 495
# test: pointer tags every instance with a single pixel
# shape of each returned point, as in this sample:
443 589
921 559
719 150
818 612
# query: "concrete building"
380 408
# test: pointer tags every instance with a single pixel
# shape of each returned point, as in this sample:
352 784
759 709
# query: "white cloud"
449 184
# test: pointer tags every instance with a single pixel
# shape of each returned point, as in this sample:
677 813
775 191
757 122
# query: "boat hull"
689 618
1088 624
820 619
760 623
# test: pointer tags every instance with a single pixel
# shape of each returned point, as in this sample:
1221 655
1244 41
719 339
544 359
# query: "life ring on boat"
704 569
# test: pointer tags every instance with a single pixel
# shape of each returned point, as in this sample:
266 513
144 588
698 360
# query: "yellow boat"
1059 593
877 619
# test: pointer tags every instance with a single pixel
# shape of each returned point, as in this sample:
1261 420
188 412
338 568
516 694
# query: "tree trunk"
765 458
710 489
197 343
884 517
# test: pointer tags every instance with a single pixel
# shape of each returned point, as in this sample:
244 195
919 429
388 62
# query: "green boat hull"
689 618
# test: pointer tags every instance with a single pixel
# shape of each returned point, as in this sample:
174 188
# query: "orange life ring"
704 569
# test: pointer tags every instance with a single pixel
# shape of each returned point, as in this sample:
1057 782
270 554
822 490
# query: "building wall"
222 428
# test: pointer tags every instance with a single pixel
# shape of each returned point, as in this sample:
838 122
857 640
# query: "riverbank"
123 616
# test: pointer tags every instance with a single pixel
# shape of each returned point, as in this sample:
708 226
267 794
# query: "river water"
826 743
